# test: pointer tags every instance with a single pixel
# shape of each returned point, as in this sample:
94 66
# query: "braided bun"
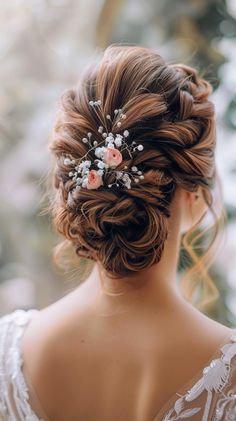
168 111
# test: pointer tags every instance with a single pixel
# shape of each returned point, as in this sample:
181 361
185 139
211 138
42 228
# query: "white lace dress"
210 395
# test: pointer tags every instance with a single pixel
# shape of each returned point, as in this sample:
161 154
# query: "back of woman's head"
166 109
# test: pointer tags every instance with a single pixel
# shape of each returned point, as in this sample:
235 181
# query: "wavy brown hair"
168 111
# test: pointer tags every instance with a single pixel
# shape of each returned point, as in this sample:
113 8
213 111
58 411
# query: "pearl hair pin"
108 152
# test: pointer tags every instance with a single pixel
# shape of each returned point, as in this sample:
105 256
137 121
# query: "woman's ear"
193 207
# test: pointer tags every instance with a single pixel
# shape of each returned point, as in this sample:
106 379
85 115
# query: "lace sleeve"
14 397
213 396
225 402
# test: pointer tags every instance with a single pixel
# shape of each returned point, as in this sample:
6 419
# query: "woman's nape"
155 287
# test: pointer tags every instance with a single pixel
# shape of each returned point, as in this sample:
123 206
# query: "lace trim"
226 405
215 377
11 374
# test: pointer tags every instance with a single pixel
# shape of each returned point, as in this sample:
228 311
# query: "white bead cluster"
109 155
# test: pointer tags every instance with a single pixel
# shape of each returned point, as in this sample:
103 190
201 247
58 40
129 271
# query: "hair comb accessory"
108 152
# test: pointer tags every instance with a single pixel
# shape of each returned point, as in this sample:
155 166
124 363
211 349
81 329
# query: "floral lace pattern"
211 398
226 404
215 380
14 394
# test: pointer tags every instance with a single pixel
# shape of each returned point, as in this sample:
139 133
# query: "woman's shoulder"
47 347
26 339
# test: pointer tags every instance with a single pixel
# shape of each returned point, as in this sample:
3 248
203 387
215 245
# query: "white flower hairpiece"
109 156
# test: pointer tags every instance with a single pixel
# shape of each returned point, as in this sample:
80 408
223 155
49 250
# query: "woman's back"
87 366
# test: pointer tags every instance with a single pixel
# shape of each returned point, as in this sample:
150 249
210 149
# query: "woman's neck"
154 287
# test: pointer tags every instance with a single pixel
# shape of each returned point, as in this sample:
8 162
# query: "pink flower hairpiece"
109 156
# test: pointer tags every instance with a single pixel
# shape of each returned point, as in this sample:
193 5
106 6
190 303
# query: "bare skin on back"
90 356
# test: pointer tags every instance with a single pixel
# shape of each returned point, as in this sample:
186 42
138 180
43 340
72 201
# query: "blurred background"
44 44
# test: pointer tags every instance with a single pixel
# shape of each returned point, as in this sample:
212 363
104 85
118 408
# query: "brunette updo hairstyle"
167 111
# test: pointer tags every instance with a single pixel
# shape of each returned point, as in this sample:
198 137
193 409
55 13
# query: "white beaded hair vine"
108 157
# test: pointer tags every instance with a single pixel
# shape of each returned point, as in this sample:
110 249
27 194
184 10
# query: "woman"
134 170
